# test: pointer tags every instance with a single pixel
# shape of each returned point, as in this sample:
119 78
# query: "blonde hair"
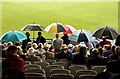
35 45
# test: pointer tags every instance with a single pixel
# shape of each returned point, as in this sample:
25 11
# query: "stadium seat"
50 61
85 72
42 71
61 76
27 62
87 76
63 60
35 76
60 71
74 68
48 68
32 66
42 64
61 64
98 69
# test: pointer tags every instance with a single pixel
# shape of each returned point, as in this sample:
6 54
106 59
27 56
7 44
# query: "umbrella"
56 28
13 36
105 32
70 29
33 27
81 36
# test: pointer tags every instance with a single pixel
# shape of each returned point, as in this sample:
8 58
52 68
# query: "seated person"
104 42
80 58
49 55
96 59
108 51
32 56
13 60
63 54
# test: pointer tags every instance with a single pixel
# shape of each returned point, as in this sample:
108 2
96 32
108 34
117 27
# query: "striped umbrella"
56 28
70 29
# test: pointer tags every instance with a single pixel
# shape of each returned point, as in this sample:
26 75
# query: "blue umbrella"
13 36
81 36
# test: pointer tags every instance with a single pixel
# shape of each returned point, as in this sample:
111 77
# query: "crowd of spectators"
104 53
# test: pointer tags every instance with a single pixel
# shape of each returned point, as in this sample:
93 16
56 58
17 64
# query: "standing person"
117 42
104 42
13 60
65 39
25 42
40 38
57 44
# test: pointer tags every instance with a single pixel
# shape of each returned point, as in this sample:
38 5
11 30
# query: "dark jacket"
79 59
40 40
62 55
65 39
97 61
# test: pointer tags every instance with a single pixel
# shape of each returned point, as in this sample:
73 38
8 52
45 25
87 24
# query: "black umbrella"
105 32
33 27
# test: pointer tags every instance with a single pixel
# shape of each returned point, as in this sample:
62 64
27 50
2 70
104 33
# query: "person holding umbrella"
25 42
40 38
65 39
104 42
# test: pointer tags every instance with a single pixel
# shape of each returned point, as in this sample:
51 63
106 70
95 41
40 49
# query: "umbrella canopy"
105 32
70 29
56 28
33 27
13 36
81 36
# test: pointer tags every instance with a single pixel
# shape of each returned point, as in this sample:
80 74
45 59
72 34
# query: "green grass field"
81 15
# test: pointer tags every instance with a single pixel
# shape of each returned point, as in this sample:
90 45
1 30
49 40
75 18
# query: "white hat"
46 45
82 44
70 46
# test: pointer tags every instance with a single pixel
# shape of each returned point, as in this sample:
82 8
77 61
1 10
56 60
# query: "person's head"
104 75
17 44
83 50
70 46
76 49
39 34
100 50
95 53
28 34
97 45
19 50
40 45
31 51
46 46
91 51
114 49
108 48
65 35
35 45
57 35
9 44
12 50
64 48
13 74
